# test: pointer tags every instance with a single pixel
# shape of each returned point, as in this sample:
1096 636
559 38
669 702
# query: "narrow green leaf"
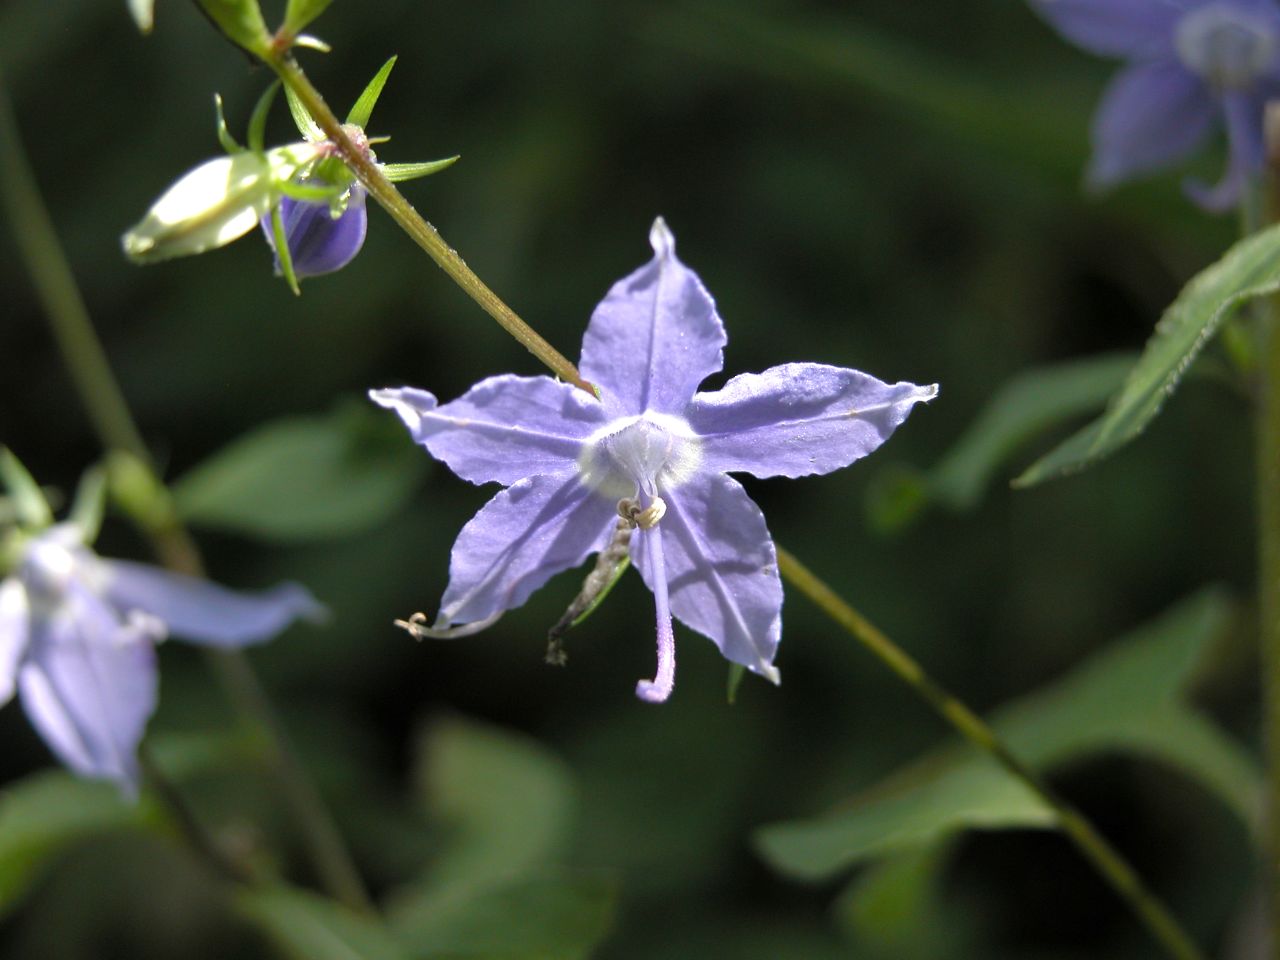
90 502
399 172
893 907
258 119
556 916
302 119
309 927
225 138
1249 269
283 254
305 478
1125 698
362 110
299 13
241 22
29 502
44 814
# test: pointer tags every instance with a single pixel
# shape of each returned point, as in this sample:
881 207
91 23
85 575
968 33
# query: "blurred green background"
889 186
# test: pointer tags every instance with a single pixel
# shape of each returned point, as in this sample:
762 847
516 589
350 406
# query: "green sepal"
143 13
311 43
308 194
283 254
225 138
258 119
736 672
90 503
29 502
398 172
364 104
241 22
298 13
302 118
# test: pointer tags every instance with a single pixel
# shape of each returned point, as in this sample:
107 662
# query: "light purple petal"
655 337
200 611
722 571
798 419
1246 153
1116 28
318 243
501 430
519 540
1151 115
88 685
14 627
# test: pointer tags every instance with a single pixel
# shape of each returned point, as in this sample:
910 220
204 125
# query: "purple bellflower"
320 243
1192 64
655 452
78 635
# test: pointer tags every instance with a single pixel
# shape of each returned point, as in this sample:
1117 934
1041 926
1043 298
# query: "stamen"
659 688
416 625
645 519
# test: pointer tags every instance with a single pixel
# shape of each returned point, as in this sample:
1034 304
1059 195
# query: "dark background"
890 186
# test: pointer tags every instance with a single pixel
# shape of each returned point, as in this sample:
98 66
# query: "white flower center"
48 568
649 453
1230 46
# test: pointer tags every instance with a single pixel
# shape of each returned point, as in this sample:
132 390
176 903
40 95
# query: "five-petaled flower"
77 642
1191 65
653 450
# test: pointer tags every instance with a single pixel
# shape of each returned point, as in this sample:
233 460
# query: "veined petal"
88 685
501 430
1246 153
521 539
14 632
798 419
1151 115
200 611
1116 28
721 568
318 243
655 337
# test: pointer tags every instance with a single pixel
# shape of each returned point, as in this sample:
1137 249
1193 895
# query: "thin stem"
1112 867
1267 444
82 351
423 234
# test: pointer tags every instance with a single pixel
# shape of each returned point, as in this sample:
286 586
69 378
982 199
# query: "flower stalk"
422 233
1105 859
37 242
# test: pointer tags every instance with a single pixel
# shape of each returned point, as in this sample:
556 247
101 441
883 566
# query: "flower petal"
798 419
1116 28
1151 115
655 337
503 429
318 243
200 611
1246 153
88 685
14 627
722 571
521 539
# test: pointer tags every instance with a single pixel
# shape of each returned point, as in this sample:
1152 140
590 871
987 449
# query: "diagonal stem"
1105 859
422 233
82 351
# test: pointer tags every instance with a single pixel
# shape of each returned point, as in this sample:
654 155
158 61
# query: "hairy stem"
1108 862
37 243
422 233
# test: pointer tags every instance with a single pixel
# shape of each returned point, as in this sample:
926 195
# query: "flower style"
78 635
1191 65
654 451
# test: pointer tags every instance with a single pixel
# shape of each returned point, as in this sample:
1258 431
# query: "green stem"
1267 444
1112 867
421 232
82 351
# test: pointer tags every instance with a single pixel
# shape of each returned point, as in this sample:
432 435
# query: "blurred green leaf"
559 916
504 801
309 927
299 13
45 813
25 495
143 13
305 478
241 21
90 502
1125 698
1249 269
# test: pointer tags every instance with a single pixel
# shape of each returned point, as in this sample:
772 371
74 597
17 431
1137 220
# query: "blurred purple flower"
653 451
77 636
1192 64
319 243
